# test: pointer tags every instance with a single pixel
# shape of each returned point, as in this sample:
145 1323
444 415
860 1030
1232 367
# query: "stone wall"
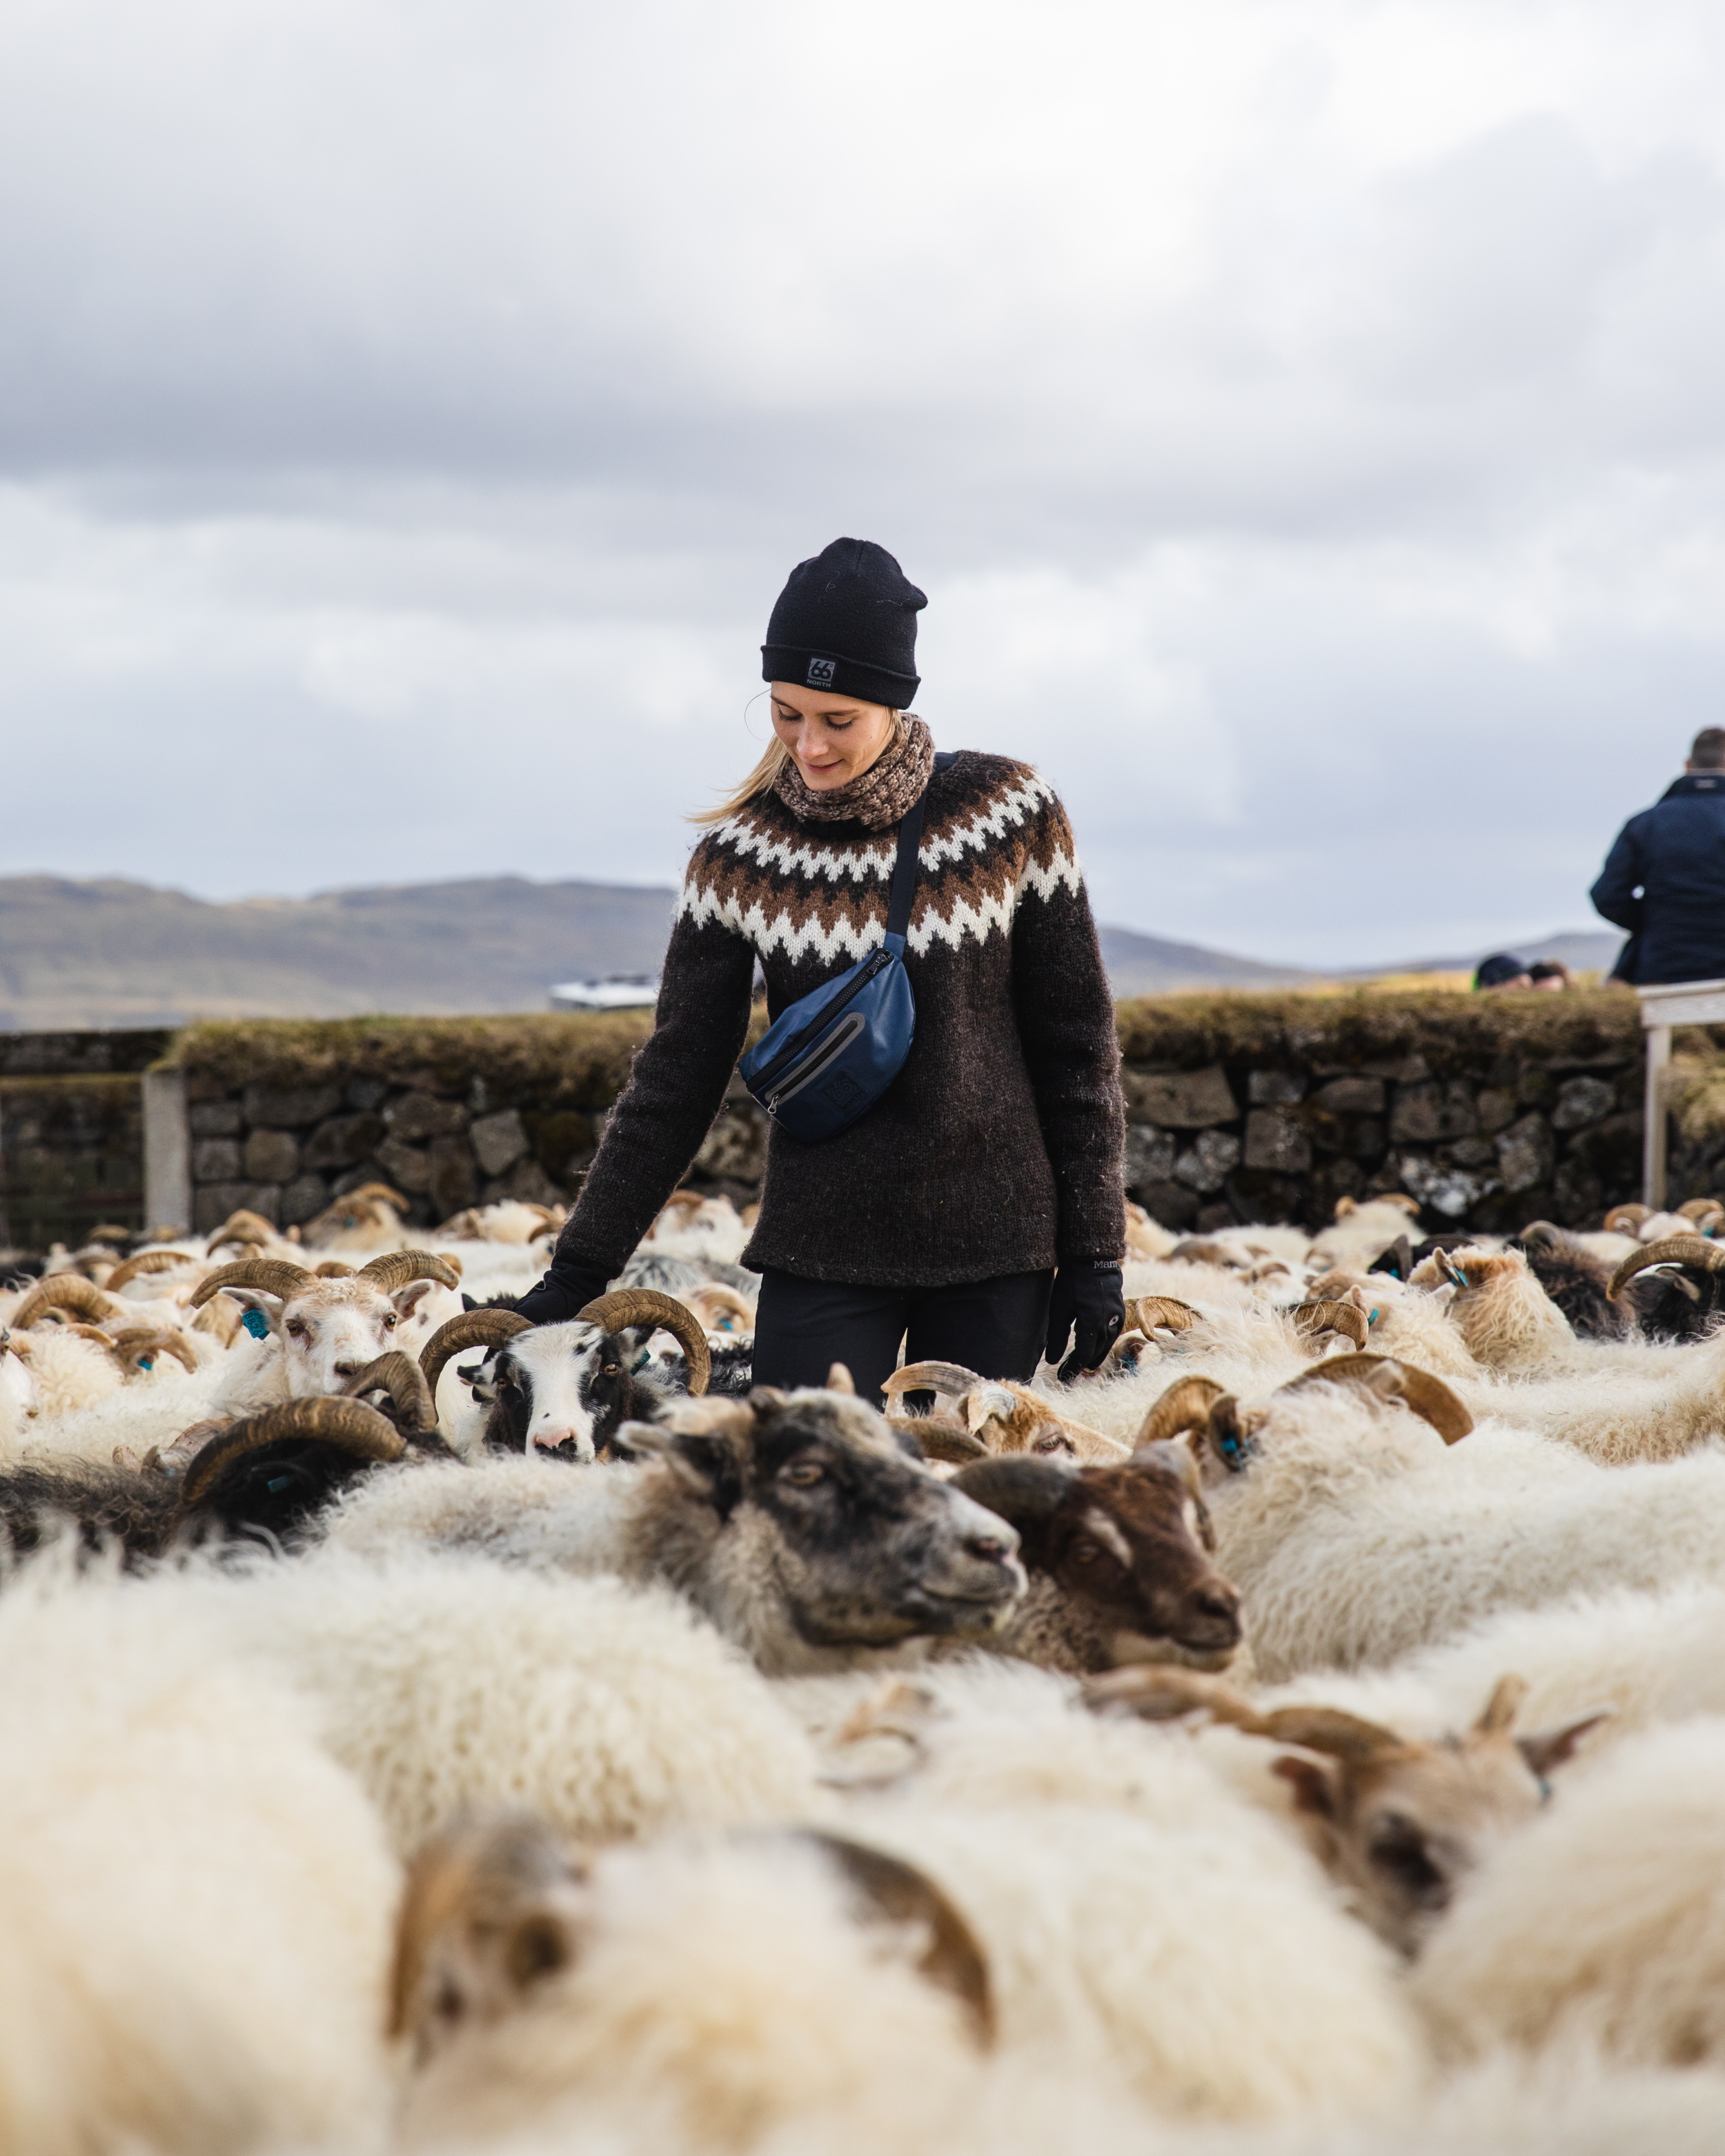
449 1114
71 1133
1492 1111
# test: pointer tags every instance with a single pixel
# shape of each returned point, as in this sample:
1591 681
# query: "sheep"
367 1220
700 1228
1578 1281
1355 1534
723 1990
1508 1321
725 1981
510 1221
1362 1228
1398 1822
1686 1299
265 1475
567 1389
1117 1558
197 1898
991 1416
442 1682
1600 1922
799 1523
318 1332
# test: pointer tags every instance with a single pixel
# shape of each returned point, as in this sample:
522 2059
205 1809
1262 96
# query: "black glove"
564 1293
1088 1302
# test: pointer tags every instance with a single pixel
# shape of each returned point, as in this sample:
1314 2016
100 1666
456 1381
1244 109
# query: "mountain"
118 953
1146 965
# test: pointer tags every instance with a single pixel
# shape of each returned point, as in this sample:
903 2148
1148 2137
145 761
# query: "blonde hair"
765 776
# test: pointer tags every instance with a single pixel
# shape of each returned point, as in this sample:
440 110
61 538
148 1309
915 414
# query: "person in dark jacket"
1663 880
976 1210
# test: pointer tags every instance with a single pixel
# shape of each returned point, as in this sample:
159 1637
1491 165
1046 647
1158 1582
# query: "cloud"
1305 415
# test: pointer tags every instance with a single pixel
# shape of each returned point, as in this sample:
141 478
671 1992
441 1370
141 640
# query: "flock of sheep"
422 1731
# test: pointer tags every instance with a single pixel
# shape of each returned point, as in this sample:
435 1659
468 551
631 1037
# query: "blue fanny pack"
824 1062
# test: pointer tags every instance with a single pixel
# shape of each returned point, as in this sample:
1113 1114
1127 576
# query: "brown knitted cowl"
879 797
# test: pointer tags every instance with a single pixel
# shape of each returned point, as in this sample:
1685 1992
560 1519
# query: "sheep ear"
1313 1787
405 1298
1500 1711
893 1892
268 1306
984 1404
840 1380
1550 1747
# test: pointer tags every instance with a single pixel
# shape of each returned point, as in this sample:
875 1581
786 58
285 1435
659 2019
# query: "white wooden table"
1675 1003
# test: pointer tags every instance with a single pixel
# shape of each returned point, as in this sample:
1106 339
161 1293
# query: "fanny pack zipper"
797 1081
823 1018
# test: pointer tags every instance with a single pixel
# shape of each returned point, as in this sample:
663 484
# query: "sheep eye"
390 1322
1084 1551
1399 1849
296 1328
803 1474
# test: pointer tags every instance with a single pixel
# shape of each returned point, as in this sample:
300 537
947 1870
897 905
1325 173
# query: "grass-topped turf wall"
1493 1110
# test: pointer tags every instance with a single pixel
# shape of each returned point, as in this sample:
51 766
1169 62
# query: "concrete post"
167 1152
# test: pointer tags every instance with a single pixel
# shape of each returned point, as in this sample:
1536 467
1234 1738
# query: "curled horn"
951 1380
1316 1318
1430 1398
625 1307
146 1261
386 1192
1185 1405
242 1227
1327 1729
1704 1212
473 1328
1167 1311
268 1275
1687 1250
401 1377
97 1338
1626 1219
396 1268
63 1291
897 1893
349 1425
1019 1486
138 1340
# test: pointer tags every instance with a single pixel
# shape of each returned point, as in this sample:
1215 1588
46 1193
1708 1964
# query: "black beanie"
847 621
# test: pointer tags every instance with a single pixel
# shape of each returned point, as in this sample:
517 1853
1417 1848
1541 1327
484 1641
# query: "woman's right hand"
564 1293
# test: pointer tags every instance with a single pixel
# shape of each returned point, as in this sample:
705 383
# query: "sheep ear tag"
255 1323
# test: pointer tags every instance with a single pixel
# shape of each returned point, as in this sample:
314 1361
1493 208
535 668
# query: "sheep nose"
349 1369
991 1549
1219 1605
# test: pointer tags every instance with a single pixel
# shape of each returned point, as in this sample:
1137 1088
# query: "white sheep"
197 1898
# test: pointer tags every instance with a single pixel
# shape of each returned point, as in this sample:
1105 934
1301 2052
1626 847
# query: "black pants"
996 1328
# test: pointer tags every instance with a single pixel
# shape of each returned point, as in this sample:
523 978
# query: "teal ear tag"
256 1324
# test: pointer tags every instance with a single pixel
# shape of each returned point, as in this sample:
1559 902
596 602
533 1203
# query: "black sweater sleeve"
673 1092
1066 1017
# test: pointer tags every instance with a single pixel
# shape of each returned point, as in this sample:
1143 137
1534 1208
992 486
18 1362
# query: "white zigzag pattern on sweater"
850 939
855 864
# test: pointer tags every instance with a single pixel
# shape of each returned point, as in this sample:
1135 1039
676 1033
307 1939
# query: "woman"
976 1210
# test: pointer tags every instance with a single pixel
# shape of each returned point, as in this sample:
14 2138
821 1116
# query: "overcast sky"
1307 417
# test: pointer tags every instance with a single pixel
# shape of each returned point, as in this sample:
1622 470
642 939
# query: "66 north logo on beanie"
846 620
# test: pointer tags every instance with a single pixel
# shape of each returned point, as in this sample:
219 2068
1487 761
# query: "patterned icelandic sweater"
997 1149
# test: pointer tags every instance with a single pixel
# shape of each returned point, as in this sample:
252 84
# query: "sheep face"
561 1389
330 1330
1400 1824
1126 1552
821 1522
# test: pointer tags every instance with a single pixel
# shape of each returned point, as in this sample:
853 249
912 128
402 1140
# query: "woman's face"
834 739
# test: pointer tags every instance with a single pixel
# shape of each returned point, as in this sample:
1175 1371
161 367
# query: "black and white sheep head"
331 1329
566 1390
820 1514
